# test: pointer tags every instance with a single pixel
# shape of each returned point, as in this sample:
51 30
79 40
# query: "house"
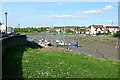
2 28
10 30
112 29
93 29
87 31
59 30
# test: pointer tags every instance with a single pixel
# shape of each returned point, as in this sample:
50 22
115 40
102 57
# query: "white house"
87 31
112 29
59 30
93 29
2 28
10 30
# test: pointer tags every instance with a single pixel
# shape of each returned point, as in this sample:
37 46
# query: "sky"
37 14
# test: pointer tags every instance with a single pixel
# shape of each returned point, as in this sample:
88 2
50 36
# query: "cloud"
108 7
89 12
92 12
59 3
66 16
97 11
80 14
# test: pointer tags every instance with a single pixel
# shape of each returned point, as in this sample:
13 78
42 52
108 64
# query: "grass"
22 62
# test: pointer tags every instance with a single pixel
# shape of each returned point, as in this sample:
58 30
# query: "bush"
28 29
98 33
68 31
116 35
52 30
103 33
107 33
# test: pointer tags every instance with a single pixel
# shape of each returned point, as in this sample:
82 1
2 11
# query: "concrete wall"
10 42
13 41
0 60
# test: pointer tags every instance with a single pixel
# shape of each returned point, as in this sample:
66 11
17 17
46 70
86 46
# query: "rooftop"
96 26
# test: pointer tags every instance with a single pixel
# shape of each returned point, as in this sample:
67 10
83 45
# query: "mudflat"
95 46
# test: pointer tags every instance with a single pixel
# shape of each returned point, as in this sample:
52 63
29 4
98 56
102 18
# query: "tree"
52 30
116 34
0 23
82 30
68 30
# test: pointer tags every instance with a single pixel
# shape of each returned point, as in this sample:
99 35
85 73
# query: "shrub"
98 33
116 35
52 30
68 31
103 33
107 33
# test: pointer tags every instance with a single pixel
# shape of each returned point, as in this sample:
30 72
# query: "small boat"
57 41
62 43
48 44
41 44
75 44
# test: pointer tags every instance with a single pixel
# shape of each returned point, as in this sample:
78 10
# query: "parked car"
13 34
4 35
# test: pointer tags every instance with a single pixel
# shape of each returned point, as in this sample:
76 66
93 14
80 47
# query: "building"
112 29
87 31
2 28
93 29
10 30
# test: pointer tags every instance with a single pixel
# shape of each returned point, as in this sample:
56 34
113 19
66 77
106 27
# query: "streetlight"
6 20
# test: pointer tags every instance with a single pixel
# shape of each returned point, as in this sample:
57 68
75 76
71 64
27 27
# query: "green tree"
0 23
83 30
116 34
52 30
68 30
42 29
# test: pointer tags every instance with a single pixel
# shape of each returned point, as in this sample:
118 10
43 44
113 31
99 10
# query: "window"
96 29
101 28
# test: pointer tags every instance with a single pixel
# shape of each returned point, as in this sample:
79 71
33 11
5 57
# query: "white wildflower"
26 61
61 62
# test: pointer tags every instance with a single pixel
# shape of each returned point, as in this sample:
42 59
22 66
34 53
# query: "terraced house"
112 29
93 29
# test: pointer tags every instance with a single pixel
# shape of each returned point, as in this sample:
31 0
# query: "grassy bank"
21 62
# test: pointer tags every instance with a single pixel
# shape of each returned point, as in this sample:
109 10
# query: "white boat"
62 43
57 41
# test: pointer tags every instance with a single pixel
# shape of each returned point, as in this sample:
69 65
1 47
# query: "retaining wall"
10 42
13 41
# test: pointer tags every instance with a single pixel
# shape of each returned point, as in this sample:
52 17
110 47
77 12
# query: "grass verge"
21 62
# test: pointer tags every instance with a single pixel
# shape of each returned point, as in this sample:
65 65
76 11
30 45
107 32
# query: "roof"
96 26
87 30
106 29
112 26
